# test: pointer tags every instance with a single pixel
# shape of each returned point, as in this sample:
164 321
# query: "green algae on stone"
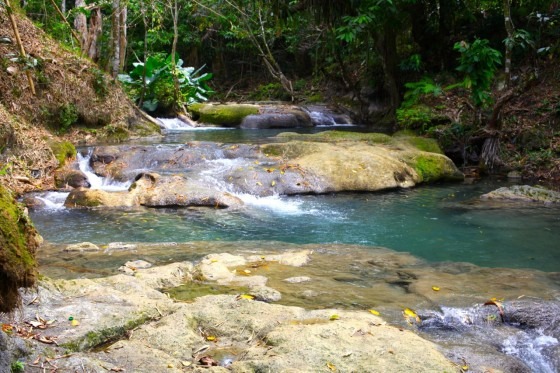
433 167
336 136
421 143
223 115
18 243
62 151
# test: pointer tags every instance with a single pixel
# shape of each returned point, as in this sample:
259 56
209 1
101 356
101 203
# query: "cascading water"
98 182
275 203
53 200
483 325
175 124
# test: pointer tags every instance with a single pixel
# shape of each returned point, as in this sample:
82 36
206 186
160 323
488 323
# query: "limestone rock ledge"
152 333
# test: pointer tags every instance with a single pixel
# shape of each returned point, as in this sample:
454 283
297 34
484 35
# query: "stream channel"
382 250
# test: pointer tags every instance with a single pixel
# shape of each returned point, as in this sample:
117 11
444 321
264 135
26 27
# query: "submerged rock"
523 193
82 247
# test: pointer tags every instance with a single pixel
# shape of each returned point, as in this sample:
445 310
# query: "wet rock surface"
523 194
128 322
302 165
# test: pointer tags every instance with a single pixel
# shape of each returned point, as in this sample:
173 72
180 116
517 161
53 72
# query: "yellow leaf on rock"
331 366
435 288
334 317
246 296
211 338
75 323
410 314
374 312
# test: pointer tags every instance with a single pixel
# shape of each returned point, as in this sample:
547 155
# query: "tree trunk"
122 36
94 31
80 23
509 44
115 38
20 44
177 92
387 48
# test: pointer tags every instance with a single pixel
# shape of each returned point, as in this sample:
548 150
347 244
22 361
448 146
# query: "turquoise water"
429 222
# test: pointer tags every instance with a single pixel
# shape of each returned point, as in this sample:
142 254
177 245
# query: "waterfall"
53 200
175 124
321 116
98 182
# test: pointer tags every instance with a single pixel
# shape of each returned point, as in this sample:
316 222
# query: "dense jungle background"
480 76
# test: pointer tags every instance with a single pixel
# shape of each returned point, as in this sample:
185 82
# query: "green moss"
433 167
115 133
422 143
224 115
18 242
62 151
103 336
335 136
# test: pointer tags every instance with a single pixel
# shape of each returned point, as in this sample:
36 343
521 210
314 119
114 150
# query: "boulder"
228 115
523 193
153 190
279 117
82 247
64 178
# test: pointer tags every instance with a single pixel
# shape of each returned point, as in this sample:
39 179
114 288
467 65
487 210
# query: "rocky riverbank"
235 312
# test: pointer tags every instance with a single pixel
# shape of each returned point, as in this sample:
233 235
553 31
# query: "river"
430 230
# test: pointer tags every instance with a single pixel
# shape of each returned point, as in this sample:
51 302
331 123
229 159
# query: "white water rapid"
98 182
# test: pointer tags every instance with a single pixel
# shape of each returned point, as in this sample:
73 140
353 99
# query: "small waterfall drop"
321 116
98 182
53 200
275 203
175 124
482 324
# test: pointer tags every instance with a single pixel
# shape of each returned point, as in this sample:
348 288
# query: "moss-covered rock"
63 150
523 193
337 136
223 115
432 166
18 243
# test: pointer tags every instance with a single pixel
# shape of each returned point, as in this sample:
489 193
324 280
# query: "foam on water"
275 203
53 200
530 348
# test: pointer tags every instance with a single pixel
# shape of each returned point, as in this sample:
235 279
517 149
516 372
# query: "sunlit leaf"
246 296
410 315
374 312
331 366
211 338
435 288
334 317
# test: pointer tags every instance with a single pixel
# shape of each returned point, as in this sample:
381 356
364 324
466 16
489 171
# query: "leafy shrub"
99 83
63 117
416 117
415 90
479 63
152 84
